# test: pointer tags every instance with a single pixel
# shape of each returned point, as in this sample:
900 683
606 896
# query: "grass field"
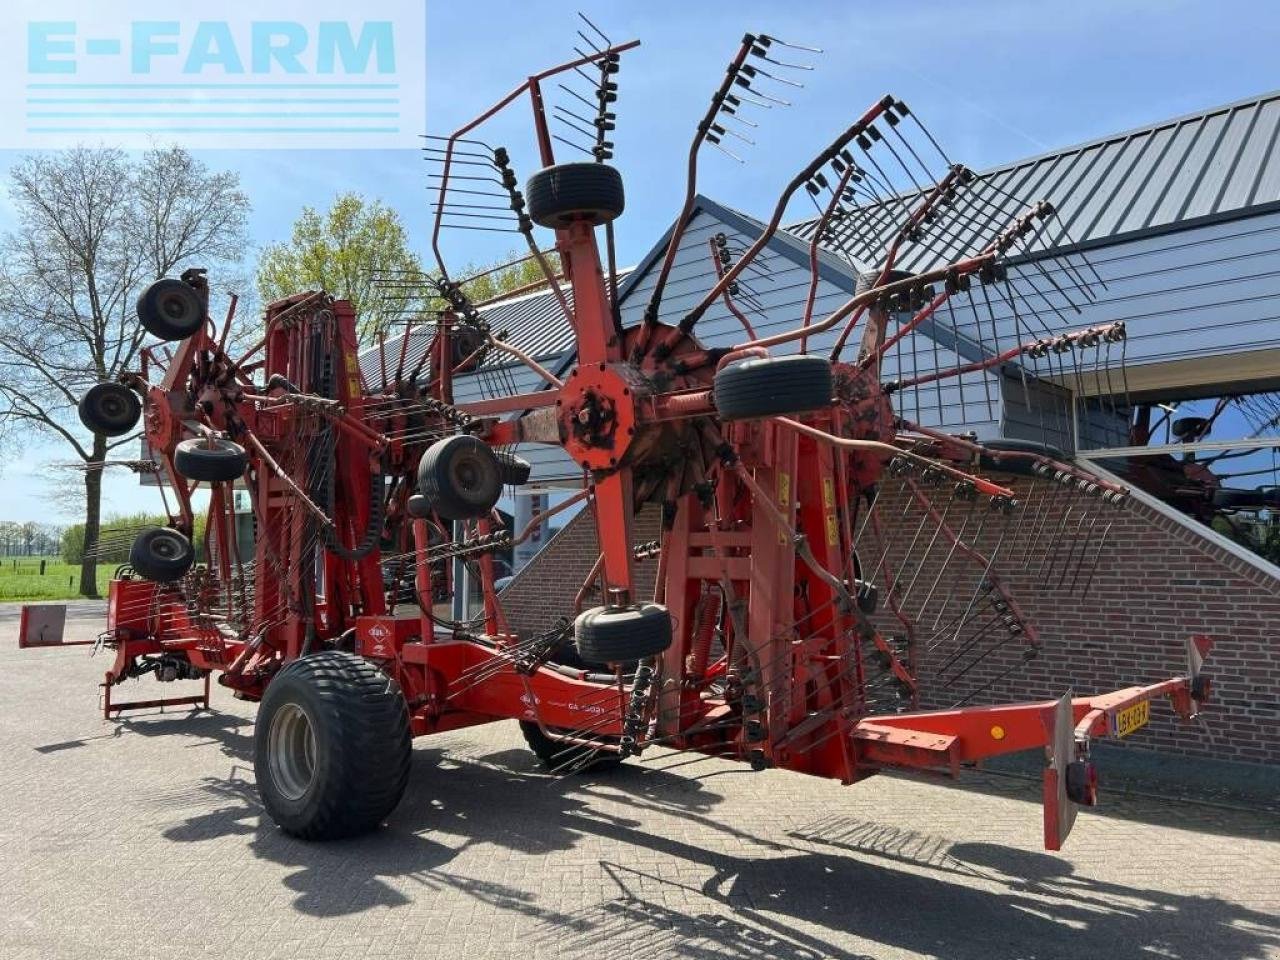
20 579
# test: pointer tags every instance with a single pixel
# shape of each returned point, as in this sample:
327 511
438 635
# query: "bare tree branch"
93 228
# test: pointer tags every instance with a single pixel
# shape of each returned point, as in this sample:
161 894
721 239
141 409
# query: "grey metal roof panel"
1135 198
1119 160
1124 183
1267 181
533 323
1192 169
1219 161
1225 173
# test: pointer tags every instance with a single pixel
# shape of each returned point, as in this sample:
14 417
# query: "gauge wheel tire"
1019 467
560 195
111 409
464 340
515 470
161 554
1228 498
622 634
197 459
171 309
331 746
1190 428
565 757
773 386
461 477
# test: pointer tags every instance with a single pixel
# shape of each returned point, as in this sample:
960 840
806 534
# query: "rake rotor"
832 558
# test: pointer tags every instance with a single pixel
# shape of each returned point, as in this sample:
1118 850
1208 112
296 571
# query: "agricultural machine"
785 628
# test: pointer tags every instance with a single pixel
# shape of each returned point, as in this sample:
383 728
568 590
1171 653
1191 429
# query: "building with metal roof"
1179 220
1180 224
1190 171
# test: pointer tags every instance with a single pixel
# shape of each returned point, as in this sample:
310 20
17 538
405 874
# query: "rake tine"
982 522
1088 537
1093 567
937 532
1042 515
959 538
1056 541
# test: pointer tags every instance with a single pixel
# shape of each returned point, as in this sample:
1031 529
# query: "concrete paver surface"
144 838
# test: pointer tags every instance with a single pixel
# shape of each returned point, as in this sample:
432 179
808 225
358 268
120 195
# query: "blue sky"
995 81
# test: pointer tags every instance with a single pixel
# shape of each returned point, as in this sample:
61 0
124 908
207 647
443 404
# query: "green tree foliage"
491 282
345 251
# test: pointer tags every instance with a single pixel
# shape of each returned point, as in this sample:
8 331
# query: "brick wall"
1156 582
543 591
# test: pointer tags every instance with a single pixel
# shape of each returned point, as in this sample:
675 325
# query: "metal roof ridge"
1257 100
1147 128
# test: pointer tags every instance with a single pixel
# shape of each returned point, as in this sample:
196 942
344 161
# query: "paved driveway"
144 839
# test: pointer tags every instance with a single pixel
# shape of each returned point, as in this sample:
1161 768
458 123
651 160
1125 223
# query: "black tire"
357 766
772 386
515 471
868 280
622 635
1017 466
566 757
559 195
1227 498
195 459
418 507
161 554
464 340
461 477
171 310
111 409
1190 428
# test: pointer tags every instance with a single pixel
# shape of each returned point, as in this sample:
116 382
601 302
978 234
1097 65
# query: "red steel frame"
768 522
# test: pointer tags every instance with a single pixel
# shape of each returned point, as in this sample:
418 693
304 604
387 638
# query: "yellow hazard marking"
784 500
829 508
353 375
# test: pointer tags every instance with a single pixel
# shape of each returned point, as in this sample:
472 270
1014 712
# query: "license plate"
1131 718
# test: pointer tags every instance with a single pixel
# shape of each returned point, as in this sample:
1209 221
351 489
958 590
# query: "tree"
10 534
93 228
514 273
347 251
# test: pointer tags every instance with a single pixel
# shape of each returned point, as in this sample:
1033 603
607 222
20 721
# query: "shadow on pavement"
1116 802
1029 905
890 887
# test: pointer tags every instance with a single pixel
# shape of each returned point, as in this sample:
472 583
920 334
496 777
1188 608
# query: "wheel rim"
467 475
174 308
291 751
167 548
112 408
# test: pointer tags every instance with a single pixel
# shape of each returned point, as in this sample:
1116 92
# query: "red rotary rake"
787 629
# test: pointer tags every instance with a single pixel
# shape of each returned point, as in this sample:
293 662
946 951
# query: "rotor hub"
597 410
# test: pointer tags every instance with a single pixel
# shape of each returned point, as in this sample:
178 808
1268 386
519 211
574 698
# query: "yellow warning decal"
353 375
784 500
829 509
